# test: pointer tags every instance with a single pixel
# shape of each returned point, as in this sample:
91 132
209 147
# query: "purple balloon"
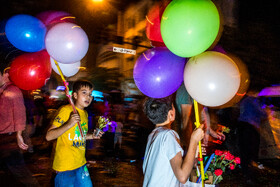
158 72
219 48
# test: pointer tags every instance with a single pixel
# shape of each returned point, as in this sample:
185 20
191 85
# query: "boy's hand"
98 136
198 133
74 118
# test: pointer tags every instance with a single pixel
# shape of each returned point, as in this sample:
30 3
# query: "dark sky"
87 13
93 17
257 42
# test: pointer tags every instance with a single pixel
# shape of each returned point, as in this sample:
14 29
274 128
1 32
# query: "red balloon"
31 71
153 24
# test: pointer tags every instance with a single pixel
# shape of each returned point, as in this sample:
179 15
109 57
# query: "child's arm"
92 135
182 167
54 132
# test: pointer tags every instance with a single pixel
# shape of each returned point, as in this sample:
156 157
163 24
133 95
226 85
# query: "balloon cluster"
51 35
188 29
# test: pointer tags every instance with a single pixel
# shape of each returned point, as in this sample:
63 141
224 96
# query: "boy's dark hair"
157 109
81 83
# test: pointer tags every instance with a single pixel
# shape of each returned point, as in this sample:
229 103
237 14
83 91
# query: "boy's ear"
75 95
5 75
171 115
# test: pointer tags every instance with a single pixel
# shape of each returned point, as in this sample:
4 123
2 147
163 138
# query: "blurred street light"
97 1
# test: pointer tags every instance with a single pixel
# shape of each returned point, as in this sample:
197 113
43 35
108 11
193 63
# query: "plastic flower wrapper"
222 161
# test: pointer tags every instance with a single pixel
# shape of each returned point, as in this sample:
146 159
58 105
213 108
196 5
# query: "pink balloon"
52 17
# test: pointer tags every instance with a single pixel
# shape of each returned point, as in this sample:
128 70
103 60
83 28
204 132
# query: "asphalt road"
124 167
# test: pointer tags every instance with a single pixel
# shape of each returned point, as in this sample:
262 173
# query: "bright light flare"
27 35
158 79
32 72
99 7
69 45
212 86
97 1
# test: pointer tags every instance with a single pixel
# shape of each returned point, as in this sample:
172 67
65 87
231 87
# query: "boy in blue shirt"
164 164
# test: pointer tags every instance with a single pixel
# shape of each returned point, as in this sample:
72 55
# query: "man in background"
249 121
184 105
12 124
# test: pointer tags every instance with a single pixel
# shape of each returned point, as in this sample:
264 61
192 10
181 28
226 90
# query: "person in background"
118 133
249 121
164 164
184 106
69 159
12 124
30 120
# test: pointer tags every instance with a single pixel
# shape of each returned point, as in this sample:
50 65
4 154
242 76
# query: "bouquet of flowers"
222 161
103 122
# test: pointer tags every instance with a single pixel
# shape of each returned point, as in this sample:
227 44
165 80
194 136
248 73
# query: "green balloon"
189 27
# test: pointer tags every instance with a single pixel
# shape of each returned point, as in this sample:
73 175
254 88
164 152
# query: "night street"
122 52
125 169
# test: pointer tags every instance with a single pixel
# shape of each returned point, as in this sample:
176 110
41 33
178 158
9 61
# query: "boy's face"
83 97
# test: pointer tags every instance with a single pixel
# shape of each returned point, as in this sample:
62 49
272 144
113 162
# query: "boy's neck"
79 107
164 124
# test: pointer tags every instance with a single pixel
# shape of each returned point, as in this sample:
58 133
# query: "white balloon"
66 43
68 70
211 78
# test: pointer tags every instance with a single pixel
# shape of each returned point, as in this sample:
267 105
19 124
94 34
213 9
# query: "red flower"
231 166
218 153
218 172
228 156
237 160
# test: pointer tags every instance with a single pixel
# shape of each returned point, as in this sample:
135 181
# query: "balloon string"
197 123
69 97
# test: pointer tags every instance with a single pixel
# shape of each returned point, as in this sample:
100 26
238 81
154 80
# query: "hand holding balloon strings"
69 97
197 123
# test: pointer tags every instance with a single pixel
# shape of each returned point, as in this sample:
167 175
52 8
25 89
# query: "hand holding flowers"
102 123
